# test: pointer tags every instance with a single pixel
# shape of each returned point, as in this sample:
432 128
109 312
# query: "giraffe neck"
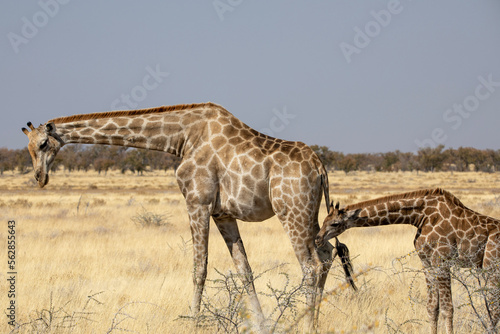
407 211
174 131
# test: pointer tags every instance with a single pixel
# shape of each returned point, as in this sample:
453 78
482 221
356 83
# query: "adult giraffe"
228 171
448 234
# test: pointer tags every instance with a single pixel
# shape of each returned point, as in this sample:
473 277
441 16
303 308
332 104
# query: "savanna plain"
88 262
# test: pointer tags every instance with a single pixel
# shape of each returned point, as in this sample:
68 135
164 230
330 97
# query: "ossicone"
26 131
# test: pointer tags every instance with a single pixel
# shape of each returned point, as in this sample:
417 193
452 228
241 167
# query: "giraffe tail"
342 250
325 185
343 253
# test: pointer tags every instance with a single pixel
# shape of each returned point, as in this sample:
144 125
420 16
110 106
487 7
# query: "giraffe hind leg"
492 298
315 264
230 232
491 276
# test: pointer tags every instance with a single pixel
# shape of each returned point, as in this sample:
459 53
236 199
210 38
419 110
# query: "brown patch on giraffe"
381 208
229 131
247 134
87 132
291 169
219 142
224 120
215 127
188 168
159 143
441 229
155 125
235 166
121 121
189 119
433 236
136 124
117 140
124 132
371 211
257 155
262 187
245 146
404 220
394 206
203 157
429 210
296 154
444 210
236 123
108 127
305 167
259 141
201 174
274 145
432 203
280 159
393 216
247 179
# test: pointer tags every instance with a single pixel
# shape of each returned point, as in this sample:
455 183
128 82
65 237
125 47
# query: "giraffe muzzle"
320 240
41 178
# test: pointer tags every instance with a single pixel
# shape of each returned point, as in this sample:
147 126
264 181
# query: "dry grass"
84 266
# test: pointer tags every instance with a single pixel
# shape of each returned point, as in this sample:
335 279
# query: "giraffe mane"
119 113
413 194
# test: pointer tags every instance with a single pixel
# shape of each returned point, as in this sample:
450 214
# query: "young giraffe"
229 171
448 233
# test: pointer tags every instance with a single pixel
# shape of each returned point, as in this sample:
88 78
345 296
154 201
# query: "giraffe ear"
330 208
337 206
50 128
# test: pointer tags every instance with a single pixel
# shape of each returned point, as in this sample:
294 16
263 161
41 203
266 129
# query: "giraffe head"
43 146
335 223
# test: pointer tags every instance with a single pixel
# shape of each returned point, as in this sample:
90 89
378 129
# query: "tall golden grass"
84 265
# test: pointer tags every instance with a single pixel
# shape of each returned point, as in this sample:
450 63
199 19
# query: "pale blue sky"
364 76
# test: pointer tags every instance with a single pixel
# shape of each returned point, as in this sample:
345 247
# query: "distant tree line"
103 158
425 159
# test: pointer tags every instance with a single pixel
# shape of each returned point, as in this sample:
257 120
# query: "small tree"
431 159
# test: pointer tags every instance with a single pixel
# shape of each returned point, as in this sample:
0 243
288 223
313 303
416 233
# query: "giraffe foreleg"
446 302
326 255
432 301
442 282
230 232
199 223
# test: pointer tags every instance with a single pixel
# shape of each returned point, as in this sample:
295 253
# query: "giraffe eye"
44 144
